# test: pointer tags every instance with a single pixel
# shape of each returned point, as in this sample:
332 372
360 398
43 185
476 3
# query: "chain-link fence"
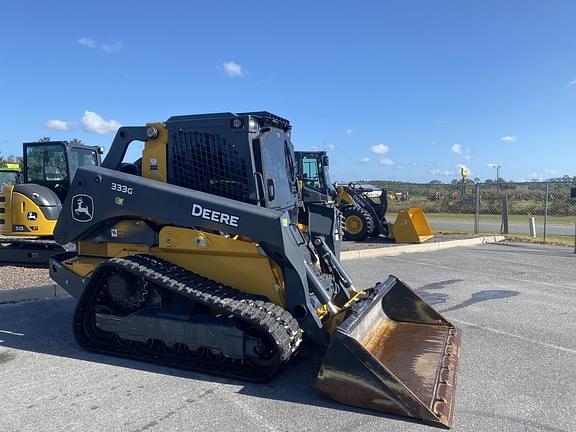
538 210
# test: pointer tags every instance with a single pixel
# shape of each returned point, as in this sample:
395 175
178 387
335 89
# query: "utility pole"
497 166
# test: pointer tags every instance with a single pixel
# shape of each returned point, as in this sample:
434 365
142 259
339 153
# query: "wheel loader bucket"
394 353
411 226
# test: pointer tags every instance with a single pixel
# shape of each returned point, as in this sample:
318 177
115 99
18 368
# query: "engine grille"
209 163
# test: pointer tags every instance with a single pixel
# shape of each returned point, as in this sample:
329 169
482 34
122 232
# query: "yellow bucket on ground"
411 226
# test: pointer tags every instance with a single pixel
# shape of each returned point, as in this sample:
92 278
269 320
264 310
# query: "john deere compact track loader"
200 260
29 208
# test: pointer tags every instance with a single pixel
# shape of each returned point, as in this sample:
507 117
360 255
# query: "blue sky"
405 90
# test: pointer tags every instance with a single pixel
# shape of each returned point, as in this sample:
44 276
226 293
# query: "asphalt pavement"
514 302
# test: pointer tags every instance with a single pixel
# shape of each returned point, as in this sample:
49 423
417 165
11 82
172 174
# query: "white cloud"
59 125
331 147
348 131
365 160
456 148
386 161
571 83
551 171
107 47
508 138
467 157
111 47
95 123
438 171
232 69
379 148
87 42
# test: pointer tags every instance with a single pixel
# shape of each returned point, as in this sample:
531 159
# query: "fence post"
504 225
477 213
545 213
532 226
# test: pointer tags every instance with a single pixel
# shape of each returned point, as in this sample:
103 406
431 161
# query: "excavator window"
46 163
82 157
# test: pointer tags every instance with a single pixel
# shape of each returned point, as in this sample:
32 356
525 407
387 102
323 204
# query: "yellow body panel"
14 208
109 250
411 226
11 166
83 266
343 197
232 261
154 163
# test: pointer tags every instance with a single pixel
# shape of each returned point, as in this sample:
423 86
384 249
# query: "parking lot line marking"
523 338
553 285
11 333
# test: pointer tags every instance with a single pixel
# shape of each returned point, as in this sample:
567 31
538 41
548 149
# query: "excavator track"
269 320
28 250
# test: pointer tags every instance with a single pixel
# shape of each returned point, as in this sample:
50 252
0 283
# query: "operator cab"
313 171
53 163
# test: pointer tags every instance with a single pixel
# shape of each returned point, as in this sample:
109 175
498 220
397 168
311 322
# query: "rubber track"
30 241
273 319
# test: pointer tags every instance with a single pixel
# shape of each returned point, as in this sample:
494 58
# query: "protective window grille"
209 163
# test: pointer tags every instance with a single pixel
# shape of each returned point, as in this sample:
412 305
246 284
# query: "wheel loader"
29 208
199 259
363 207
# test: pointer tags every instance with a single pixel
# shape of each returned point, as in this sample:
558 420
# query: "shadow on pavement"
45 326
427 292
482 296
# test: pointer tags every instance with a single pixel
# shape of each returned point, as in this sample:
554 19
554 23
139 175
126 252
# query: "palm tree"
45 139
76 142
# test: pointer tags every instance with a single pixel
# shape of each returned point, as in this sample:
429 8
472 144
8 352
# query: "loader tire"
358 224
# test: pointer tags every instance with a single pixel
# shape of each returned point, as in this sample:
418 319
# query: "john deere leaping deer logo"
82 208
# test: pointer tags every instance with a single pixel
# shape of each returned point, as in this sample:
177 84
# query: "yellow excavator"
30 205
203 257
363 207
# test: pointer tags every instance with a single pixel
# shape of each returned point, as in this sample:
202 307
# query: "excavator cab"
30 206
53 164
199 261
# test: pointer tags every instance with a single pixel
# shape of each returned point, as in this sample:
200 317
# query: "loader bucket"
411 226
394 353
